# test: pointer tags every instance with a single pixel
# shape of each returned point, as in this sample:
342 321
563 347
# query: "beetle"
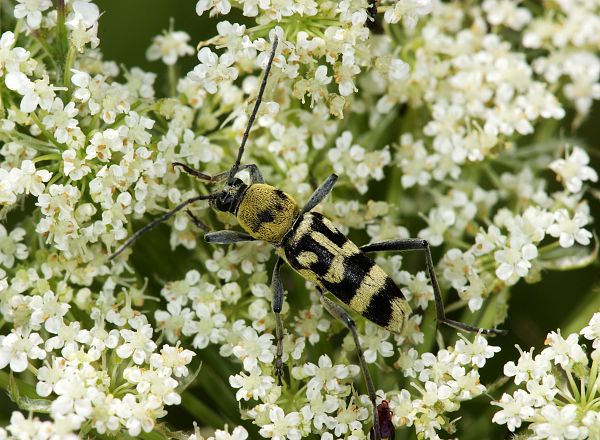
313 247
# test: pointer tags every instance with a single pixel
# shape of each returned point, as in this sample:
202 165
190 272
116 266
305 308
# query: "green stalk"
172 80
69 61
61 29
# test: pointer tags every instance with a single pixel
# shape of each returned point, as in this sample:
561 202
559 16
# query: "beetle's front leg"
277 305
255 174
196 221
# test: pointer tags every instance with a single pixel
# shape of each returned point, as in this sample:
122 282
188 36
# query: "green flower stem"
47 49
429 329
31 142
61 29
495 309
574 387
46 133
456 305
51 156
69 61
172 79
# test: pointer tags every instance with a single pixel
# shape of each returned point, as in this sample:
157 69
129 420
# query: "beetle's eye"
224 202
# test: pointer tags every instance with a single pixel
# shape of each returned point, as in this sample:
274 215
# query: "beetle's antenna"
263 85
160 220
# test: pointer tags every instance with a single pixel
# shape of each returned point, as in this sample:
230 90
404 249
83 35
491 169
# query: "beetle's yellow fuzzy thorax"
266 212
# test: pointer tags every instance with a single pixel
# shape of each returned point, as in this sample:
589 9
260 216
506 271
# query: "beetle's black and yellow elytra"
320 253
315 248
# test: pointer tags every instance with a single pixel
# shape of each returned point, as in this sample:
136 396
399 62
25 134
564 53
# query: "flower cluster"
557 395
444 121
438 385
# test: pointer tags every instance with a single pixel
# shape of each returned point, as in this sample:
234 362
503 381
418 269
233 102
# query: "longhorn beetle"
312 246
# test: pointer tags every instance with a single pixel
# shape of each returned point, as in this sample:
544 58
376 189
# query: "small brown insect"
386 428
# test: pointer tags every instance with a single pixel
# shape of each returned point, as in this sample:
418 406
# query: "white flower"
573 170
592 330
439 221
282 426
138 343
569 229
139 414
514 260
10 246
38 93
515 409
82 23
32 10
251 386
175 359
558 423
62 120
564 352
16 348
250 348
31 181
407 10
506 12
348 419
73 166
169 47
325 376
238 433
374 341
213 69
475 352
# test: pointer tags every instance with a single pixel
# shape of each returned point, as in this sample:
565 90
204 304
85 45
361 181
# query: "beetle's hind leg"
277 287
344 317
418 244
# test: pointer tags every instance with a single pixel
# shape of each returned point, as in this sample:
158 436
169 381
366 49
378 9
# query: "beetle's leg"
344 317
195 220
414 244
255 174
227 237
277 287
320 193
199 175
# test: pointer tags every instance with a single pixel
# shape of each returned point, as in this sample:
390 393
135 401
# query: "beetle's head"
229 198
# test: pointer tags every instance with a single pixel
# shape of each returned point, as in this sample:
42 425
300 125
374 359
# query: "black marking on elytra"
356 266
278 207
306 243
281 194
265 216
380 307
318 225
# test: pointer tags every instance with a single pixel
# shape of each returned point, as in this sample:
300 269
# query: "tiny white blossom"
169 47
574 170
